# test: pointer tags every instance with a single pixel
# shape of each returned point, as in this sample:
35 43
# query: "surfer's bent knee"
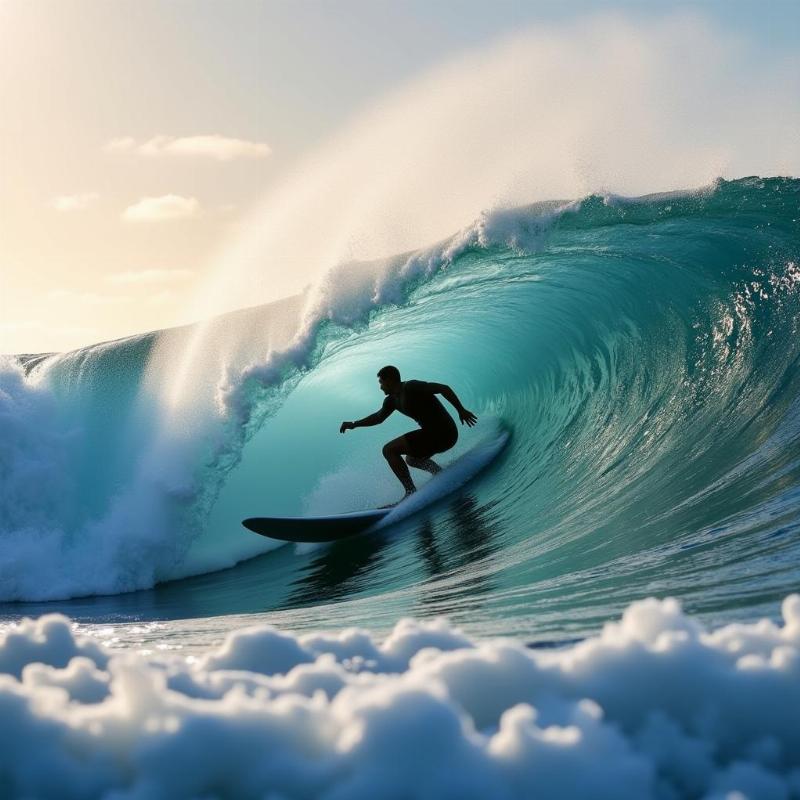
392 448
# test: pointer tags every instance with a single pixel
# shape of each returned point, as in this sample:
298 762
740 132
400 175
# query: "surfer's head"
389 379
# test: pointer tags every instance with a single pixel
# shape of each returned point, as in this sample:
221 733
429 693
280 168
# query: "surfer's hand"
346 426
467 416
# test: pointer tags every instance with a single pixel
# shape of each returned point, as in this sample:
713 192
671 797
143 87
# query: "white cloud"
86 298
220 148
123 144
74 202
150 276
166 207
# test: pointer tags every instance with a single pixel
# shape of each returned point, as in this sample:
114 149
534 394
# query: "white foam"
53 543
653 706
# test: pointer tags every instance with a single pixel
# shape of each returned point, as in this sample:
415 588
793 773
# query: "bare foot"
408 494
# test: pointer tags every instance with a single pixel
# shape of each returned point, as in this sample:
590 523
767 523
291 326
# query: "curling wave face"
643 352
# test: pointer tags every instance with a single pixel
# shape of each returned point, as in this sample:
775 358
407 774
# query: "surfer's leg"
422 444
393 452
428 464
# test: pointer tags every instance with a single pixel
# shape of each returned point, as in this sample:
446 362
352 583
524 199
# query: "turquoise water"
642 352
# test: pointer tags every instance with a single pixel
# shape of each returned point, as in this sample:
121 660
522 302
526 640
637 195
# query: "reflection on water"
461 536
471 530
337 570
466 540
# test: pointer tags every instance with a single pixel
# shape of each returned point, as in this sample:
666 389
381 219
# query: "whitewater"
643 354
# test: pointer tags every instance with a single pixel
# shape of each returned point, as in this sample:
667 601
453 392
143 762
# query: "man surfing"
437 432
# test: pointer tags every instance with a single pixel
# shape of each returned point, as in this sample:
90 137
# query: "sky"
138 136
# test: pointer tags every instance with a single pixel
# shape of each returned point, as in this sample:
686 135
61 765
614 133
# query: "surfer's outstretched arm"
445 391
367 422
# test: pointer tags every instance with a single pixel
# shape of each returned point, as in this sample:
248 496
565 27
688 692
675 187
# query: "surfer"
437 432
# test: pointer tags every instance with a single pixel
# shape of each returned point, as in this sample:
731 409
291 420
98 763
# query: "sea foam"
653 706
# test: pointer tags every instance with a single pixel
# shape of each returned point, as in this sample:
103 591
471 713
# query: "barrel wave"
643 353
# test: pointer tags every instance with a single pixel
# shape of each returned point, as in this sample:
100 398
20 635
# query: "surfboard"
315 529
339 526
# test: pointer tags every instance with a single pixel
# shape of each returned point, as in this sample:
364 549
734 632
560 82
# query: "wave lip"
654 706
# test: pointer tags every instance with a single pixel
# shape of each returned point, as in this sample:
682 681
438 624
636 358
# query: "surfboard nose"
315 529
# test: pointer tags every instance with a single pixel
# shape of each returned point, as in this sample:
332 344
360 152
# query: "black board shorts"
425 443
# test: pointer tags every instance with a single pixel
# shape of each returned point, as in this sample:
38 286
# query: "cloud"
214 146
123 144
74 202
149 276
169 206
86 298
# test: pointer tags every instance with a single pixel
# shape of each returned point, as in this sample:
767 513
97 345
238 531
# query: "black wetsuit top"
416 399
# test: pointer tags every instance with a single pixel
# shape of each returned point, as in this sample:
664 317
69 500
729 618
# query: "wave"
643 350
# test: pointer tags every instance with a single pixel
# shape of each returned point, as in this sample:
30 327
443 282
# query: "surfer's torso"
416 399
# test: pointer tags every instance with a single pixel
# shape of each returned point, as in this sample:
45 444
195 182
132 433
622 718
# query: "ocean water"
643 354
